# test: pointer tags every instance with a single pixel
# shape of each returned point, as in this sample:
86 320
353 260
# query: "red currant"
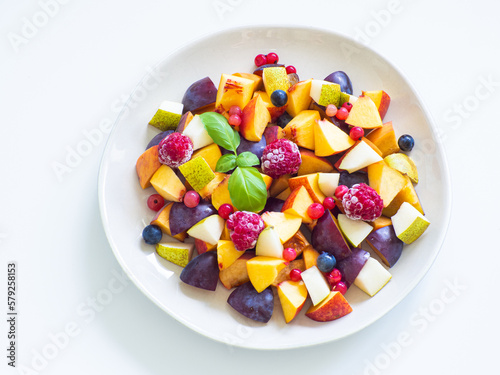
290 69
334 276
191 199
295 274
331 110
234 120
315 210
329 203
235 110
289 254
225 210
347 106
260 60
272 58
342 113
340 287
356 133
155 202
340 191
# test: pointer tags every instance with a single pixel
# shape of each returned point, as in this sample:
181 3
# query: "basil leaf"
221 132
247 159
226 163
247 189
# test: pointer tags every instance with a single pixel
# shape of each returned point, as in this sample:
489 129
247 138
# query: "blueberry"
152 234
406 142
279 98
326 262
284 119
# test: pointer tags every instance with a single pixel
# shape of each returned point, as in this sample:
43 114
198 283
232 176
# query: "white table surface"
70 73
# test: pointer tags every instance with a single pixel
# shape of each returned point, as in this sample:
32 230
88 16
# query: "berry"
279 98
191 199
342 113
244 228
340 287
329 203
289 254
235 110
340 191
225 210
284 119
152 234
347 106
334 276
290 69
272 58
175 149
234 120
406 142
295 274
280 157
331 110
155 202
356 132
260 60
326 262
361 202
315 211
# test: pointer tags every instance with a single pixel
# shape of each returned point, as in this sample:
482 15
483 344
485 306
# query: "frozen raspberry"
361 202
175 149
244 229
280 157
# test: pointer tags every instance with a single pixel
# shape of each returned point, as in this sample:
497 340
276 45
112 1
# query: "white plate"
315 53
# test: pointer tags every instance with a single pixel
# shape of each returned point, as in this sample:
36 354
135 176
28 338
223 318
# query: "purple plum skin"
342 79
201 93
273 204
182 217
259 70
386 245
256 148
202 271
326 236
248 302
352 265
350 179
158 138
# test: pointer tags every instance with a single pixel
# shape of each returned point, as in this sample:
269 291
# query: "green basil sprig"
246 186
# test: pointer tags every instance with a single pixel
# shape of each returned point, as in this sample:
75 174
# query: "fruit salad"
273 186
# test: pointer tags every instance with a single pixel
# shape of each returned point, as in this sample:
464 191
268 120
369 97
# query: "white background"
71 74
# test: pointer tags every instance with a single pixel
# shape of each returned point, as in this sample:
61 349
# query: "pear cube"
209 229
269 244
167 116
197 173
316 284
354 230
409 224
196 131
372 277
176 252
360 156
324 93
328 182
275 78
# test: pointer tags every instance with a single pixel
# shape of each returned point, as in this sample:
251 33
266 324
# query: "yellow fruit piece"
409 224
210 153
263 270
329 139
364 113
167 184
292 295
298 97
197 173
275 78
407 194
385 139
233 90
301 129
227 254
386 181
404 164
285 225
297 204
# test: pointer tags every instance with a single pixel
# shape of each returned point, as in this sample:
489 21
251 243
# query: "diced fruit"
292 295
210 153
152 234
176 252
298 242
310 256
350 179
310 182
156 202
227 254
312 163
208 229
324 93
252 304
202 271
146 166
233 90
381 222
158 138
364 113
280 158
385 139
381 100
162 219
407 194
329 139
326 236
354 230
404 164
196 131
167 184
285 225
342 79
359 157
254 119
406 142
221 195
326 262
207 191
386 245
273 205
236 274
409 224
279 184
372 277
298 97
167 116
386 181
202 246
197 173
269 244
361 202
245 228
263 270
284 274
333 307
316 284
297 204
275 78
301 129
200 94
328 183
183 122
182 218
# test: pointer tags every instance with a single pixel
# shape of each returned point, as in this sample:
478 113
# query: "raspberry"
244 228
361 202
280 157
175 149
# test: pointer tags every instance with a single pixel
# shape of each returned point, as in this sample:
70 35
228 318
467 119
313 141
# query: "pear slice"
176 252
404 164
209 229
360 156
167 116
324 93
328 182
316 284
372 277
354 230
269 244
409 224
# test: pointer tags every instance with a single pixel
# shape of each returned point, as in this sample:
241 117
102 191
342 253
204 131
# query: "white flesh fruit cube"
358 157
167 116
324 93
354 230
328 182
172 107
196 131
372 277
176 252
316 284
208 229
409 223
269 244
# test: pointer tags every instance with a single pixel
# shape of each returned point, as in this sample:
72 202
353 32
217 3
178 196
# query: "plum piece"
253 305
342 79
326 236
201 93
271 133
352 265
273 204
202 271
259 70
349 179
182 217
158 138
386 245
340 124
